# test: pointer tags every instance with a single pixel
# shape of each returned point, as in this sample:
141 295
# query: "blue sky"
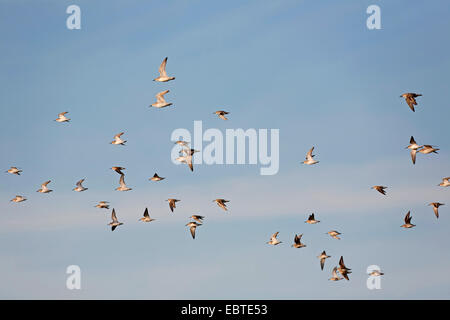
308 68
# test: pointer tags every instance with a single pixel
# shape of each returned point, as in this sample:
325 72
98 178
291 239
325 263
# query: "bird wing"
117 136
193 231
160 96
113 216
62 114
146 213
162 68
122 180
171 204
411 102
413 156
322 263
79 183
436 211
189 163
45 183
309 155
412 141
408 217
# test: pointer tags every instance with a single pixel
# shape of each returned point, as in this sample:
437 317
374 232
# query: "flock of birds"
185 156
410 99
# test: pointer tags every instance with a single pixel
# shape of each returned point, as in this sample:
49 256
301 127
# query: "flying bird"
221 114
408 223
410 99
62 117
334 234
44 188
172 203
80 187
335 276
118 140
156 178
445 182
197 218
123 186
146 217
323 256
343 270
311 219
413 146
376 273
118 170
18 199
162 73
14 170
192 226
221 203
309 158
426 149
273 240
102 205
114 223
380 189
436 205
297 242
160 101
182 143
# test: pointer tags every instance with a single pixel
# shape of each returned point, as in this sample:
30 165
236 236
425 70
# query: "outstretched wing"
162 68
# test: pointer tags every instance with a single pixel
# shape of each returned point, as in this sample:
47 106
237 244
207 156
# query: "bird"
118 140
410 99
156 178
221 203
182 143
62 117
335 276
343 270
380 189
297 241
146 217
376 273
273 240
408 223
162 73
197 218
123 186
221 114
334 234
445 182
413 146
44 188
79 187
192 226
436 205
311 219
160 101
187 160
172 203
114 223
102 205
309 158
426 149
323 256
18 199
118 170
14 170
